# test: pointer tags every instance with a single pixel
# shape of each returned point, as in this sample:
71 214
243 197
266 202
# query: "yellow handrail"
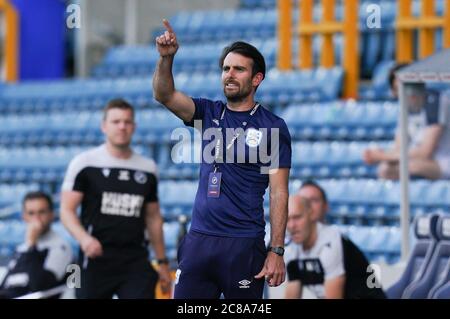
426 24
284 59
327 56
327 28
351 55
11 40
306 39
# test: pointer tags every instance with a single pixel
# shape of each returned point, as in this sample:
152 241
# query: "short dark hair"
312 183
38 195
392 71
249 51
117 104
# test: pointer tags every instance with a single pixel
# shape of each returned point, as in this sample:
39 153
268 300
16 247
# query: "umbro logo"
244 283
216 122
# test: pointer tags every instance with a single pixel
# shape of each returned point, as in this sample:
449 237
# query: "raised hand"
34 231
166 43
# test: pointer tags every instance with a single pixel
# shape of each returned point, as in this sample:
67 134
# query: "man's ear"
257 79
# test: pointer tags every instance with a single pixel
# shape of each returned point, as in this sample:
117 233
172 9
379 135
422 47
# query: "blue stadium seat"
11 193
171 234
443 292
437 272
62 231
375 247
360 235
437 195
425 231
171 201
379 88
342 120
393 245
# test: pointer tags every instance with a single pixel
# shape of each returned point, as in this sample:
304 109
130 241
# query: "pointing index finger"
167 26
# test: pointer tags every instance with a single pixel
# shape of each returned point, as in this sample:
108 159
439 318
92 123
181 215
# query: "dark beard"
238 97
235 98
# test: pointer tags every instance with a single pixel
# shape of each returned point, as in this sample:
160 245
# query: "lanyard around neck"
218 150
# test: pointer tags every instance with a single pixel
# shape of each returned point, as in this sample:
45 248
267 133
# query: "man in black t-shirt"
117 190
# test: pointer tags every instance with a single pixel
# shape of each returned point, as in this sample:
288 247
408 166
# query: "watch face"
277 250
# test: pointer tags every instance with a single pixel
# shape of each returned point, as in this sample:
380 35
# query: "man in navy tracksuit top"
245 148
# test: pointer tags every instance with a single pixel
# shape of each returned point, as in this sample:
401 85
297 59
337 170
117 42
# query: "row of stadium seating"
13 193
379 243
205 57
357 201
386 246
157 121
201 25
319 159
342 120
352 201
128 61
251 4
337 120
280 87
123 61
377 43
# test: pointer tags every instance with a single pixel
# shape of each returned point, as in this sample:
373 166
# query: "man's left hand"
273 270
164 278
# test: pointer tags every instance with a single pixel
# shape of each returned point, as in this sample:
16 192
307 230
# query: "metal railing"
426 24
307 28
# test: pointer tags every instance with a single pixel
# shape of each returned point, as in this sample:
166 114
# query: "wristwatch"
277 250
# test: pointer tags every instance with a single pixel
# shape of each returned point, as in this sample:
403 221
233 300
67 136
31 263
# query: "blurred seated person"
321 259
40 262
317 198
428 137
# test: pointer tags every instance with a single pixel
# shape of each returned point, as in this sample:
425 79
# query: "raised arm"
163 84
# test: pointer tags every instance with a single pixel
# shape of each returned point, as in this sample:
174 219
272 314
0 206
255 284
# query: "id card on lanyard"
215 177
